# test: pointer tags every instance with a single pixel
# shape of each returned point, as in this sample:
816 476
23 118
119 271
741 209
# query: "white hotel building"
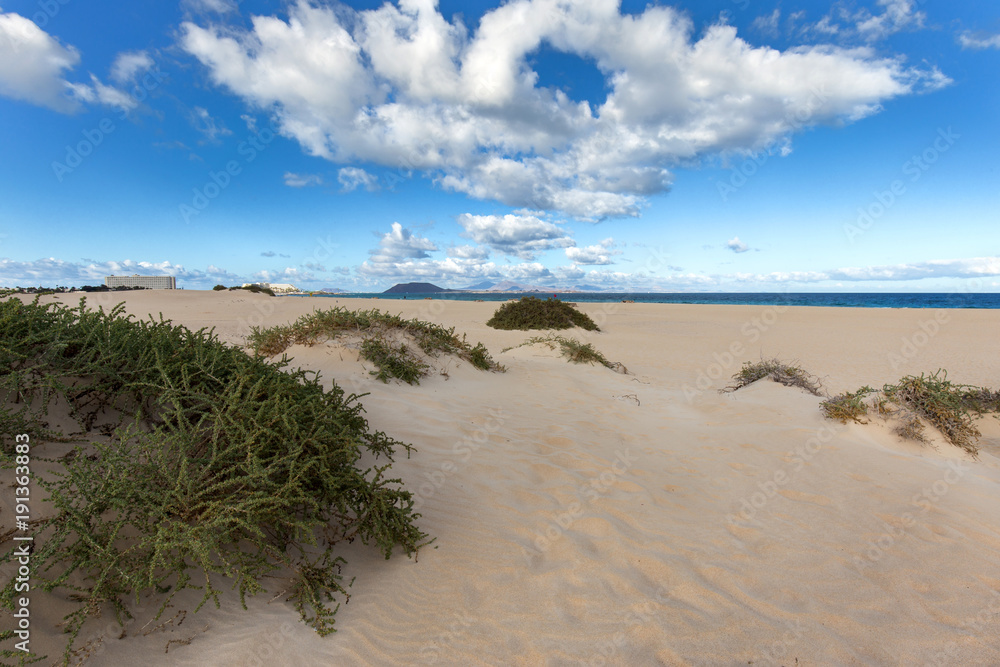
135 280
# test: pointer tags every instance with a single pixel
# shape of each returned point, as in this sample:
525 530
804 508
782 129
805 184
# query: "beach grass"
196 466
789 375
377 331
574 351
849 406
917 401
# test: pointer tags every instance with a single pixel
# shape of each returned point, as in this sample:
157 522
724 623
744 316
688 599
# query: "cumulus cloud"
969 40
33 64
129 64
522 236
593 254
468 252
401 86
287 275
736 245
400 244
351 178
294 180
457 271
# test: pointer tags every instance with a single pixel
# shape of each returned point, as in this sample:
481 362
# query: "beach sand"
584 516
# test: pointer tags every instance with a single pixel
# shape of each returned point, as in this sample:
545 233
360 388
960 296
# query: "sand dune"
588 517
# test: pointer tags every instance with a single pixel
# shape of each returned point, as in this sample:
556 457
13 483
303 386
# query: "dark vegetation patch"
533 313
256 289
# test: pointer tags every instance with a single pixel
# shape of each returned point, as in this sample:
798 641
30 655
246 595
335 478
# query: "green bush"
218 288
212 464
533 313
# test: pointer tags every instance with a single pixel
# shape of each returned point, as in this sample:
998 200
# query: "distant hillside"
478 287
414 288
333 290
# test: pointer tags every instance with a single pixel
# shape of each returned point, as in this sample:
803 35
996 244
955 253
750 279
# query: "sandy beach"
587 517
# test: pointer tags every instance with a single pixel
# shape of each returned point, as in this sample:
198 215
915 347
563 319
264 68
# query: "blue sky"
737 145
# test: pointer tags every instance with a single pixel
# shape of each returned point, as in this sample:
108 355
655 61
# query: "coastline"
949 300
587 516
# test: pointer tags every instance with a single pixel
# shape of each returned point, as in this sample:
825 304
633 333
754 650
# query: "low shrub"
915 402
533 313
946 406
212 464
848 406
392 362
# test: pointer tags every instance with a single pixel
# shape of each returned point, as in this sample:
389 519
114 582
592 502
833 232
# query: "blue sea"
836 300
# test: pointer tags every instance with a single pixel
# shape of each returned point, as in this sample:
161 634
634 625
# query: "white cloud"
970 41
402 87
449 271
50 272
287 275
206 6
128 64
399 244
593 254
32 64
211 128
468 252
293 180
736 245
974 267
531 271
896 15
101 93
353 177
520 236
570 273
768 24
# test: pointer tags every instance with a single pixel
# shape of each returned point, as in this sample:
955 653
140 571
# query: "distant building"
135 280
277 288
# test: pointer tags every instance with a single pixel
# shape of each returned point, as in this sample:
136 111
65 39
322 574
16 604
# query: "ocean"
835 300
